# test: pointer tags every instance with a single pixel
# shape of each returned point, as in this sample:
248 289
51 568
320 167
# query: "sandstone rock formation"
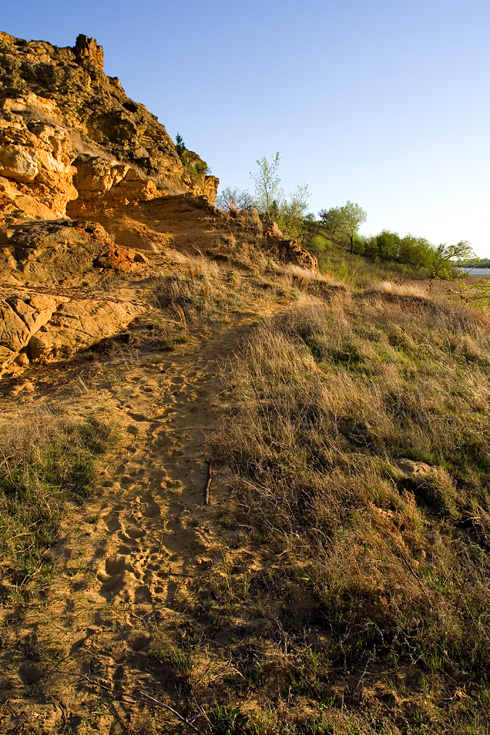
69 133
70 139
88 180
289 250
36 326
38 321
60 252
191 224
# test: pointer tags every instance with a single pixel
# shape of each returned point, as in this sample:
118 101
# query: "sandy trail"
123 568
153 529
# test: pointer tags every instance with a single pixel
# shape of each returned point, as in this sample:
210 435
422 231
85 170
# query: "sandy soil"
124 567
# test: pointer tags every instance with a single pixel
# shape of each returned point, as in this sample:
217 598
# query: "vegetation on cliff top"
339 224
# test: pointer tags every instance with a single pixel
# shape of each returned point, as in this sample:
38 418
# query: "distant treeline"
474 263
340 225
416 253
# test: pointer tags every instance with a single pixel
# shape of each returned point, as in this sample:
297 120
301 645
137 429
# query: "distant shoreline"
482 272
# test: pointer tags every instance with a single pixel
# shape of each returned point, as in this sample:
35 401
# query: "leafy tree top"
344 220
267 183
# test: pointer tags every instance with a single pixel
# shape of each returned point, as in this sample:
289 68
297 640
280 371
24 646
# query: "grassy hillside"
336 584
358 432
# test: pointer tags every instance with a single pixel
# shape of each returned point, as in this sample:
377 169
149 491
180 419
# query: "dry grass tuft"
401 289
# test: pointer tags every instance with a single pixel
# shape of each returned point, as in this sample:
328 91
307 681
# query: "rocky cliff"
88 180
70 138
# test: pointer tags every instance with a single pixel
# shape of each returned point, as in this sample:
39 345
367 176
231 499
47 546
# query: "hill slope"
237 497
75 154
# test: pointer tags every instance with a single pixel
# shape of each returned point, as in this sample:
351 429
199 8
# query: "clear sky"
382 102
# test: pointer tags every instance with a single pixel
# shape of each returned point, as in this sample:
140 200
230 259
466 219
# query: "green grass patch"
46 463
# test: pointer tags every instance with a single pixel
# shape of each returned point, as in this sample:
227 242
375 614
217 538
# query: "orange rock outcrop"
70 136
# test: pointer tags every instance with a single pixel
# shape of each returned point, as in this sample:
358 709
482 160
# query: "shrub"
319 243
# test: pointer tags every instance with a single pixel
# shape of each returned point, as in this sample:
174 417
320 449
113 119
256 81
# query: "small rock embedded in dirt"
25 387
411 468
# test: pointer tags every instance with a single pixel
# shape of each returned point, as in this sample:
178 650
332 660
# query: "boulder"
60 252
21 316
412 468
40 321
287 250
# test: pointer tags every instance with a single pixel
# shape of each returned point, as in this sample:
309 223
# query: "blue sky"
382 102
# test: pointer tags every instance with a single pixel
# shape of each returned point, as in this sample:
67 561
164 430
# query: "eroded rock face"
19 319
44 314
35 162
71 145
40 327
69 133
287 250
106 183
77 156
189 222
60 253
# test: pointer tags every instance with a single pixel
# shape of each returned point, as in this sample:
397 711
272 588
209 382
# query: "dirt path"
121 573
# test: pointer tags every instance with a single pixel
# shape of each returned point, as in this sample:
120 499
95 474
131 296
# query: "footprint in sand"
115 564
117 573
112 581
170 413
176 452
162 441
151 509
137 416
142 594
128 481
132 534
112 522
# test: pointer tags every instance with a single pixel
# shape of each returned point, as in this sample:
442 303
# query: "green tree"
388 245
179 144
344 220
289 212
474 292
417 252
332 219
267 182
462 251
447 256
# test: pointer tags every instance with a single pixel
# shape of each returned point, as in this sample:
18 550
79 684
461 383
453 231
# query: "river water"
482 272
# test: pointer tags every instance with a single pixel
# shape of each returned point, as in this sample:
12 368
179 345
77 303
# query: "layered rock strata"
70 134
47 310
39 327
